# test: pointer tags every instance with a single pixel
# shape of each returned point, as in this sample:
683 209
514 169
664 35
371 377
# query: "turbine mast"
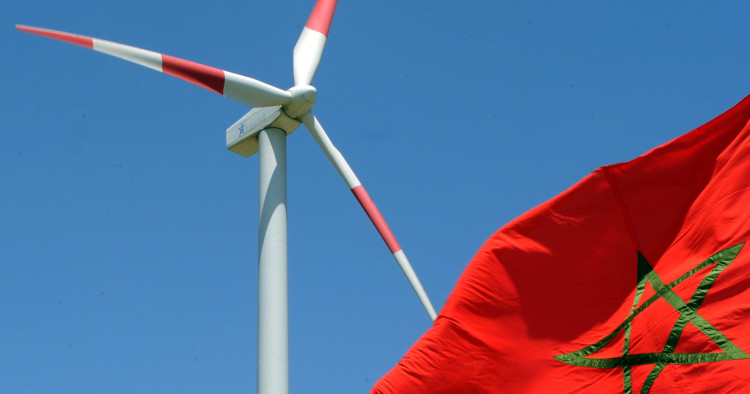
273 295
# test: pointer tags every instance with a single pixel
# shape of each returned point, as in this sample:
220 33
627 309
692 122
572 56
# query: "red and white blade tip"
83 41
321 16
234 86
309 48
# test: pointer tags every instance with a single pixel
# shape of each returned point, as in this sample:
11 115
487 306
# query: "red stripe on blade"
83 41
321 16
199 74
376 218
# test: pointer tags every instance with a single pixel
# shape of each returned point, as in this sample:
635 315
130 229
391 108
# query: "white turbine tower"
264 129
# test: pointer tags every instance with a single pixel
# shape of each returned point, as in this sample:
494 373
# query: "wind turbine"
264 129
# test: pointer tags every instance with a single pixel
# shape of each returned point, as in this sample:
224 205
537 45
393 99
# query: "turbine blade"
368 205
310 44
237 87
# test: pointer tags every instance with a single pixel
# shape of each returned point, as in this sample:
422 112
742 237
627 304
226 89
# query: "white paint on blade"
140 56
336 158
415 283
252 92
307 54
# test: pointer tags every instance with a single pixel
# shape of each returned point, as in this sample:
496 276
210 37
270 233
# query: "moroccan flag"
636 279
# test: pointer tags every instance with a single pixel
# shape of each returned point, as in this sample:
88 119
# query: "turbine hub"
303 99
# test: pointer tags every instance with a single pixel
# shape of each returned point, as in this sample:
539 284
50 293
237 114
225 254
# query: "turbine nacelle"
242 136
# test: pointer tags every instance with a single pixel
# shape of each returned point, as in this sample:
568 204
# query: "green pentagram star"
688 314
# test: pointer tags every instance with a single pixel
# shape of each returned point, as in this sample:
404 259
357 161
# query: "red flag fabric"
634 280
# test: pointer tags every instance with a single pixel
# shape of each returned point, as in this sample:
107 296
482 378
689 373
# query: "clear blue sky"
128 233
